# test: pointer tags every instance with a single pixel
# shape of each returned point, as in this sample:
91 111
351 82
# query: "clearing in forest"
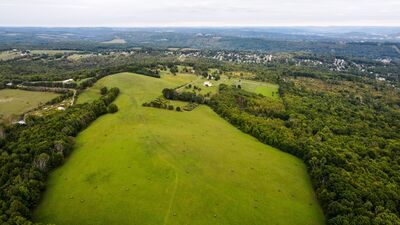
14 102
266 89
150 166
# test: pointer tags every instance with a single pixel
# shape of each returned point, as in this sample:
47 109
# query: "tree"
174 69
103 90
112 108
41 161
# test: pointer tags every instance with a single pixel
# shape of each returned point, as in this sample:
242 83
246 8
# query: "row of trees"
60 98
351 147
53 84
28 153
159 103
43 89
173 94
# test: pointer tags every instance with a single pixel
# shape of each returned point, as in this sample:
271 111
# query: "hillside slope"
150 166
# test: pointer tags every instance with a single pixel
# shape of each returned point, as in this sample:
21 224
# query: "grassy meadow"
150 166
8 55
15 102
115 41
266 89
52 52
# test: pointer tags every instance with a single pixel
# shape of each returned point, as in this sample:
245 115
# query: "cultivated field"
15 102
150 166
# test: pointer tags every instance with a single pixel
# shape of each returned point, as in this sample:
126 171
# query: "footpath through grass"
150 166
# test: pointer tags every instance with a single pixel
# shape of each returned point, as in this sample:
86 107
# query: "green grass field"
266 89
15 102
150 166
52 52
115 41
8 55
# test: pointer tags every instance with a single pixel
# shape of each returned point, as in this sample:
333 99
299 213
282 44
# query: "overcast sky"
132 13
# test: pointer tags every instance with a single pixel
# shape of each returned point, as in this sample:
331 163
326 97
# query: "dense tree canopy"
350 141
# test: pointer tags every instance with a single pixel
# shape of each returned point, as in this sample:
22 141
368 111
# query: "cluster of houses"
258 58
339 64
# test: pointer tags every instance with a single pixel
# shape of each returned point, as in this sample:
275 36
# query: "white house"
69 81
380 79
207 84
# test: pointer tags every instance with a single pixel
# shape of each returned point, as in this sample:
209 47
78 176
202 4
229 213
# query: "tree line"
173 94
349 142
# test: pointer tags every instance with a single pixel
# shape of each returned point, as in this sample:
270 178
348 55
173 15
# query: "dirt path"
172 199
191 82
73 96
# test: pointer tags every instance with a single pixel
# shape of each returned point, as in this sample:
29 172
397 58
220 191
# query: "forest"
347 133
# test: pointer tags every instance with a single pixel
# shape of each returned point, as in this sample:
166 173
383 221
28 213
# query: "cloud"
202 12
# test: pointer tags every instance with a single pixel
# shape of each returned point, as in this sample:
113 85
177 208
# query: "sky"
156 13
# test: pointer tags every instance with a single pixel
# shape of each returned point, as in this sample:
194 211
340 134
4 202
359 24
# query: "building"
69 81
21 122
207 84
380 79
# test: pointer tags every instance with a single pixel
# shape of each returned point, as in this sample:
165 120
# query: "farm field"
15 102
8 55
266 89
52 52
115 41
150 166
80 56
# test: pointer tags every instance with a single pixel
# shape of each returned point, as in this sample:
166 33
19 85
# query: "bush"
178 109
112 108
170 107
103 90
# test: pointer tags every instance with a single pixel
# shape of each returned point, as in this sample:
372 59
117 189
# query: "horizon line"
203 26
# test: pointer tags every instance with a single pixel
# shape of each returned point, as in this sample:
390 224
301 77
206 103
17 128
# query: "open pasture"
149 166
15 102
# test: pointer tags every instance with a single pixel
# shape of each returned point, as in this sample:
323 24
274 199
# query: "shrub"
112 108
103 90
